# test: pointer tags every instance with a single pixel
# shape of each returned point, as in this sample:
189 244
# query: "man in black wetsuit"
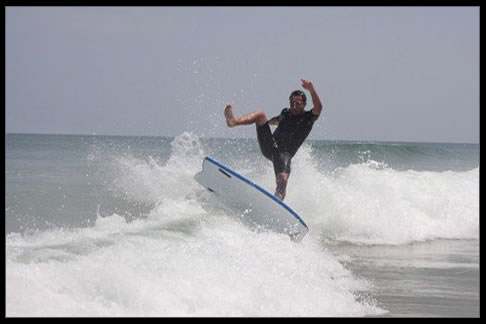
294 125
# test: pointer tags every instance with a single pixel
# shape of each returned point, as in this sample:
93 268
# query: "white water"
188 259
369 203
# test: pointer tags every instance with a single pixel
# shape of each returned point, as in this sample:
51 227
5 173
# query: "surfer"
293 126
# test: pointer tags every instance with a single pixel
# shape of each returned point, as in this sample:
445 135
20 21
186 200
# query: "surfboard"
253 202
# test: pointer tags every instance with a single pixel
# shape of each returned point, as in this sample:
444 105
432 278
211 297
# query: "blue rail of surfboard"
263 190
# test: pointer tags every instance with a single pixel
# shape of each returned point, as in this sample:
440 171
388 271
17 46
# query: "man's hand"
307 85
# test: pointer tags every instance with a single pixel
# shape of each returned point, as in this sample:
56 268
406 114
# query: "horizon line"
215 137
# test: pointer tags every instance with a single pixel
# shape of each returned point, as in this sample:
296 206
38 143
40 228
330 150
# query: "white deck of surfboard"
252 201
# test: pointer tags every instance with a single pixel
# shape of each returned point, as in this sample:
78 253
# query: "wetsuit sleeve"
312 117
282 114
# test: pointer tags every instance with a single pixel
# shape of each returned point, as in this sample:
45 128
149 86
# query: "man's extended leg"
282 179
257 117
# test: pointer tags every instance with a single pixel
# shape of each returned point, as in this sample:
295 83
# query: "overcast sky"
383 73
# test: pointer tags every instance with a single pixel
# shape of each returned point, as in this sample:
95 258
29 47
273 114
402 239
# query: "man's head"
297 102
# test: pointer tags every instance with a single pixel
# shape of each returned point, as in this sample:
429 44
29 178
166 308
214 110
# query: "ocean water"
117 226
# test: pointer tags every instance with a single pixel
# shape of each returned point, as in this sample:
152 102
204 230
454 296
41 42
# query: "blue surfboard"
254 202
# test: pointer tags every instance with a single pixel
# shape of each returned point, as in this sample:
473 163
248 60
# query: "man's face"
297 104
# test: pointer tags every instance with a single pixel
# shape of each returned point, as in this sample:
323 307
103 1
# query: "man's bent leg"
257 117
282 179
267 143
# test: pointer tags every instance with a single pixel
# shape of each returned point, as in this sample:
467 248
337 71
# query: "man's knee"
282 177
261 118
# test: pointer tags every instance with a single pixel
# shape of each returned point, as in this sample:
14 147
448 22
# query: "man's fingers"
305 83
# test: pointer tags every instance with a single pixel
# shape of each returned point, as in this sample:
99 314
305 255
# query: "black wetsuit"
282 145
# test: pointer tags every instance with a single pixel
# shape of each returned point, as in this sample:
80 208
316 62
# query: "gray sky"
383 73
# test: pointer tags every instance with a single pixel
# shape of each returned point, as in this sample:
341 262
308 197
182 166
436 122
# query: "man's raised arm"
316 110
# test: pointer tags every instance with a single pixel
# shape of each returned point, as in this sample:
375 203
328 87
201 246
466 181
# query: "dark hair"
298 93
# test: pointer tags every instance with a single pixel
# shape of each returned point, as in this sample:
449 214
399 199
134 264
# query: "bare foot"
228 113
